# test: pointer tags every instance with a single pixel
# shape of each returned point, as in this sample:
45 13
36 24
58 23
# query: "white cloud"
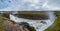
35 1
34 5
47 6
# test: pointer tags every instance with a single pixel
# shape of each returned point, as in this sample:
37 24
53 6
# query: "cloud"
51 5
34 5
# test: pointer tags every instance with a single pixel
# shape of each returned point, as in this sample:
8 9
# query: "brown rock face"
9 26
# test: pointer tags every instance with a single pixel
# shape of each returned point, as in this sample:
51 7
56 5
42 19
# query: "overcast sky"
29 5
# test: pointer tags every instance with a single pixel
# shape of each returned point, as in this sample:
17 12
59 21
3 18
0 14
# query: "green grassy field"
56 25
1 26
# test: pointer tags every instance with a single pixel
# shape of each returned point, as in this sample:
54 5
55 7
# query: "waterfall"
37 23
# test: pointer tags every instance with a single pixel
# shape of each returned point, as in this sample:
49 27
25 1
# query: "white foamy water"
36 23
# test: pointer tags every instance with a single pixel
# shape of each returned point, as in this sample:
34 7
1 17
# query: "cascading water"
39 25
51 19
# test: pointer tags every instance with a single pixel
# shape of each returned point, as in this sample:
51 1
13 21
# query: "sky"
29 5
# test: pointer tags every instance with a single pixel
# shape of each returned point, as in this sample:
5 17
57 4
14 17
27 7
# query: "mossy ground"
55 26
1 26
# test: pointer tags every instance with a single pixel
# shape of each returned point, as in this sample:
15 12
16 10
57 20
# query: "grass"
1 24
1 27
55 25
